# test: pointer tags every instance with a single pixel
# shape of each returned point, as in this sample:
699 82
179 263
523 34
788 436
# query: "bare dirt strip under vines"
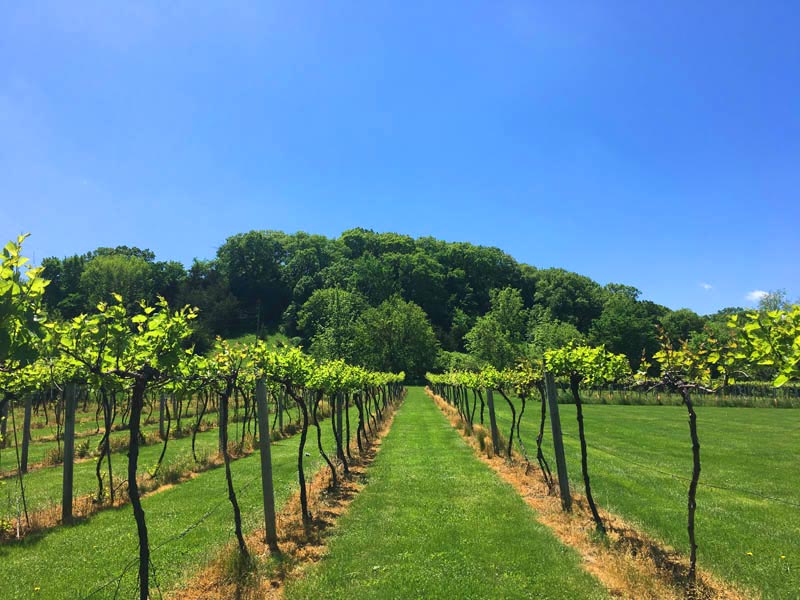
629 563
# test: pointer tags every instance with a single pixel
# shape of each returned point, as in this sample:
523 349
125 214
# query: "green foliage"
569 297
498 337
252 264
129 276
21 291
685 367
113 343
396 336
775 300
624 327
456 361
680 325
770 338
328 319
133 272
551 335
262 280
592 366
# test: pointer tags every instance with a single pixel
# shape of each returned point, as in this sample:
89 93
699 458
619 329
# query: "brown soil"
628 562
300 546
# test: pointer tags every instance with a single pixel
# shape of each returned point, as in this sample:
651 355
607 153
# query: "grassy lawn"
434 522
43 486
188 525
89 436
639 457
88 421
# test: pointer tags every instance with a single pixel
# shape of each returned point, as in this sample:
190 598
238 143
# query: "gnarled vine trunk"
513 423
137 404
315 417
237 514
574 381
692 495
301 476
198 423
546 473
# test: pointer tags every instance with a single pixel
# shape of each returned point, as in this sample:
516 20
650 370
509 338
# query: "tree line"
422 303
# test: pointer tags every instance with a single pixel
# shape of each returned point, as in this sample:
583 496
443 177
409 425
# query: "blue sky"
655 144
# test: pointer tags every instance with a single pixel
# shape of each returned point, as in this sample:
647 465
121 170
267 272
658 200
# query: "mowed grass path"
188 526
435 522
640 460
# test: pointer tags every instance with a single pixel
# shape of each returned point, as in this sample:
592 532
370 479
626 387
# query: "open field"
449 528
748 516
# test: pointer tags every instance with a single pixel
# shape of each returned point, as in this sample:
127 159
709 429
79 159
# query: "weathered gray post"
558 442
279 407
162 406
266 466
4 422
26 434
70 399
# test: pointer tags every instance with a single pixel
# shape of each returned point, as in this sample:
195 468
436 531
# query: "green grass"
43 486
640 457
85 420
70 562
435 522
766 398
39 449
86 430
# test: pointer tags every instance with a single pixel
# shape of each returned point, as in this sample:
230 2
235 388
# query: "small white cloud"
756 295
706 286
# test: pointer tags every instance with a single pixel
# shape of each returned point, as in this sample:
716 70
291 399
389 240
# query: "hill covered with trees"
385 300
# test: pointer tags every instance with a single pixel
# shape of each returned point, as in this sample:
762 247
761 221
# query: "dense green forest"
385 300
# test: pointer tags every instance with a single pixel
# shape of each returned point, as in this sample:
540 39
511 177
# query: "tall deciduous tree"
570 297
129 276
396 336
624 327
551 335
498 337
328 320
775 300
681 324
252 263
